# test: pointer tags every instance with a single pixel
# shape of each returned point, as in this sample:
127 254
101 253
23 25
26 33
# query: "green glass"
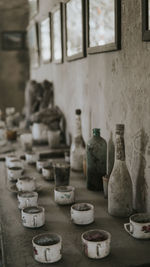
96 158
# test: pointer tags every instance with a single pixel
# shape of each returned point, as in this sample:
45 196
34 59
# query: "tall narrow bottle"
120 184
96 157
78 146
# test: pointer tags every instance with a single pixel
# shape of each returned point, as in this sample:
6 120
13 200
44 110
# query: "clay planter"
40 164
33 217
96 243
61 174
31 157
26 184
47 247
14 173
139 226
64 195
82 213
48 172
27 199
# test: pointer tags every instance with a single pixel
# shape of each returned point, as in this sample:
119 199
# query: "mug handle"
35 220
46 252
128 230
97 250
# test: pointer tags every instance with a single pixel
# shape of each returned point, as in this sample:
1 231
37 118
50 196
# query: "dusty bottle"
120 184
77 149
96 157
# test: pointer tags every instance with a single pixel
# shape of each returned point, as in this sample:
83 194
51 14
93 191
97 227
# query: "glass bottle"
96 156
120 184
77 149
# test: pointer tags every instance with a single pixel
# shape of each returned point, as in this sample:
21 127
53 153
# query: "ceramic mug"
40 164
27 199
33 217
26 183
15 163
14 173
8 158
47 247
64 195
139 225
82 213
48 172
96 243
31 157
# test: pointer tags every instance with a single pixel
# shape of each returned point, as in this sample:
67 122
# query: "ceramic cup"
33 217
47 247
82 213
48 172
27 199
61 174
31 157
40 164
64 195
15 163
26 184
139 225
14 173
96 243
8 158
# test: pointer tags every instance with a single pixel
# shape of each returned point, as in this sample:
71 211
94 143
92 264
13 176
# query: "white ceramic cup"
33 217
96 243
31 157
27 199
82 213
26 184
8 158
139 226
40 164
47 247
48 172
64 195
15 163
14 173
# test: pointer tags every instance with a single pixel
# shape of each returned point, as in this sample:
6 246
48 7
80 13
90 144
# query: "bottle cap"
120 127
96 131
78 111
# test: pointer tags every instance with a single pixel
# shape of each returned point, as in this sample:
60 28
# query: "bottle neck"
78 130
120 147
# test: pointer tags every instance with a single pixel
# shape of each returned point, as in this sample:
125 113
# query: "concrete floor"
125 251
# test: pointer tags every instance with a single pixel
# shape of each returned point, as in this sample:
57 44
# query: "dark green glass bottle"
96 157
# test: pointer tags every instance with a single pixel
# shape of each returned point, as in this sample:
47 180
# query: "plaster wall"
14 68
110 88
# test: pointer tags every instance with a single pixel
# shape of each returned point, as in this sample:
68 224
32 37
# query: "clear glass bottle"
120 184
96 158
77 149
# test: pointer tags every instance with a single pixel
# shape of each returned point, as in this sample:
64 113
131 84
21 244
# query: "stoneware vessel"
47 247
33 217
8 158
27 199
61 174
48 172
64 195
26 183
14 173
139 226
40 164
15 163
96 243
31 157
53 138
82 213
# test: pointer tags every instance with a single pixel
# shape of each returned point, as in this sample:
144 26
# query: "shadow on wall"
138 165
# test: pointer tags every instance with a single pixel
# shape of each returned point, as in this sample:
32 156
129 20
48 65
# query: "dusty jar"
96 243
47 247
27 199
64 195
139 226
82 213
33 217
26 183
